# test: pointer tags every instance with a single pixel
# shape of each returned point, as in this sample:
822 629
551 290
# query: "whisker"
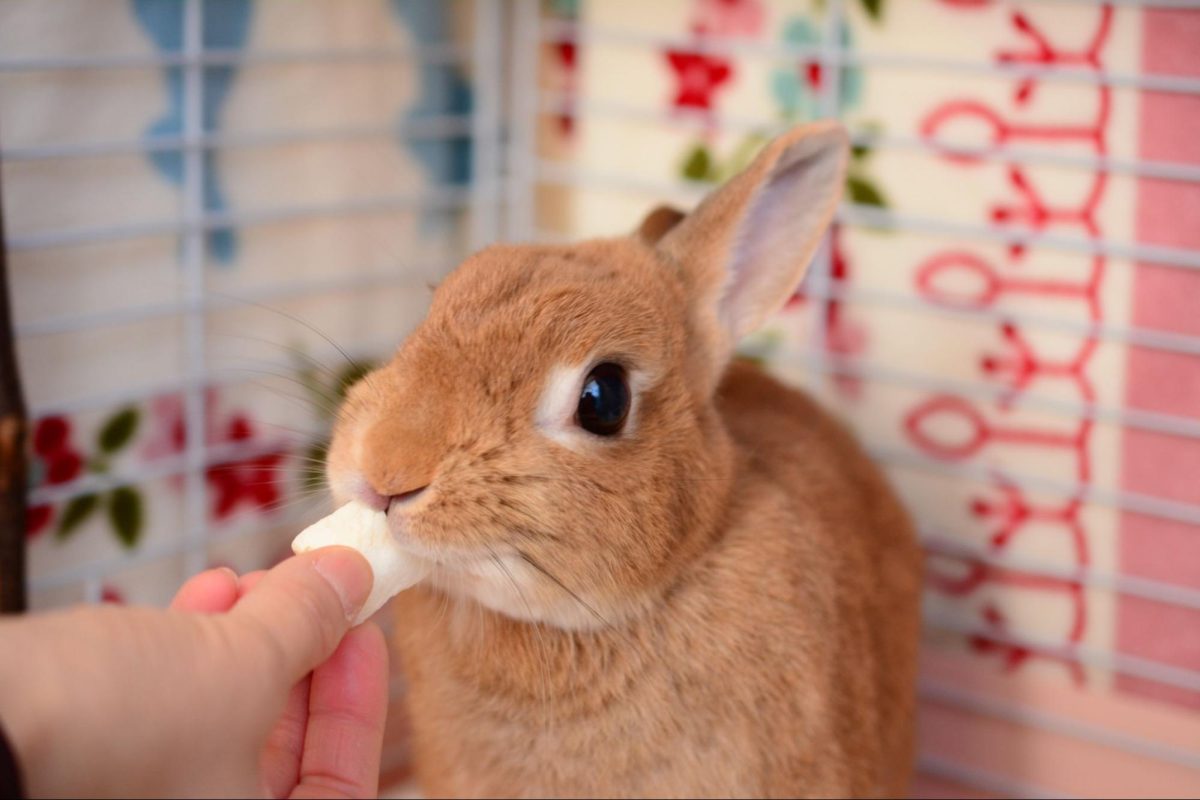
296 351
533 563
545 655
286 315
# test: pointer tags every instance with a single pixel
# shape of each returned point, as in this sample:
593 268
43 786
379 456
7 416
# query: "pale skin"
250 686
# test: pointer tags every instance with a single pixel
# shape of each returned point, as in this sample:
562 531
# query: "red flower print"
812 74
253 482
168 434
239 429
566 53
566 57
731 17
37 519
698 76
63 467
223 482
53 462
50 435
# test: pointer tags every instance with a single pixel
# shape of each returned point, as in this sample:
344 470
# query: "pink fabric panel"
1165 299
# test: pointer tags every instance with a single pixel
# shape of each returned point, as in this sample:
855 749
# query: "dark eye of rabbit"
604 401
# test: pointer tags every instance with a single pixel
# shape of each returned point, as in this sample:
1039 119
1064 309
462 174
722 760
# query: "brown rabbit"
657 572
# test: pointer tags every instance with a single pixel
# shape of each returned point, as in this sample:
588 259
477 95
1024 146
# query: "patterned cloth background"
311 156
1036 402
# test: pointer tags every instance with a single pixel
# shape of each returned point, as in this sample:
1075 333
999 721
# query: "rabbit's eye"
604 401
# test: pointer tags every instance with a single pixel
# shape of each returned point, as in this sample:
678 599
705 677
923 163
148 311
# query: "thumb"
304 606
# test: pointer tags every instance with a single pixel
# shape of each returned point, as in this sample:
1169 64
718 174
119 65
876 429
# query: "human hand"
327 742
129 701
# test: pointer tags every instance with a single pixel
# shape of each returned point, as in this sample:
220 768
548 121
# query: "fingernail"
232 575
348 573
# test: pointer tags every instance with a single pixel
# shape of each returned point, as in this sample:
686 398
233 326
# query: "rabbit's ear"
744 249
658 223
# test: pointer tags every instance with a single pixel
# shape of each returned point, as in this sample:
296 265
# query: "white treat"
366 530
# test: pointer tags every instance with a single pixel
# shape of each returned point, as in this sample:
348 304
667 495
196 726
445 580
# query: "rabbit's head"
548 435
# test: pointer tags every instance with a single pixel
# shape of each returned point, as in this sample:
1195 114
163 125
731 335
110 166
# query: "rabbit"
656 570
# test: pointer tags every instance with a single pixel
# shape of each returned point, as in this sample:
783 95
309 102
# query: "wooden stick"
12 456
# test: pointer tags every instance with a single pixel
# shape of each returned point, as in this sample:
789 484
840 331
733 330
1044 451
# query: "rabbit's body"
788 596
651 572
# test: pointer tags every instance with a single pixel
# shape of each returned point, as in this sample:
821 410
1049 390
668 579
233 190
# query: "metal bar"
216 377
746 47
551 102
1087 493
1113 661
869 217
991 783
1143 338
1057 724
485 124
193 257
448 197
345 280
1170 424
944 544
432 127
1139 168
522 144
821 273
433 53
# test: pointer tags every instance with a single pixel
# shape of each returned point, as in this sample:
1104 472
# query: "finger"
347 705
280 762
248 581
300 610
210 592
281 756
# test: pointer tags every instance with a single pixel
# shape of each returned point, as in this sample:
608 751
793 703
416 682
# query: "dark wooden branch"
12 455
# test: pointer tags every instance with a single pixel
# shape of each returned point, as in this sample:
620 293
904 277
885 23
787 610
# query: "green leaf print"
77 510
125 514
864 193
698 165
119 429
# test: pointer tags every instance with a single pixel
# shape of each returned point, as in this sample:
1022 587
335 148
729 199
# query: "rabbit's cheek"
502 586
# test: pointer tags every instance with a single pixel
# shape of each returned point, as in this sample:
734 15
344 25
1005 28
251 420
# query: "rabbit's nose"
401 459
371 498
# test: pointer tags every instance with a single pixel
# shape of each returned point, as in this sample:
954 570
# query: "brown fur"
720 601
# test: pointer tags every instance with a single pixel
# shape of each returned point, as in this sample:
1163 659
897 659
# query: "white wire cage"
988 329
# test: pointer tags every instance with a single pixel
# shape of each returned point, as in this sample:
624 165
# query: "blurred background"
218 213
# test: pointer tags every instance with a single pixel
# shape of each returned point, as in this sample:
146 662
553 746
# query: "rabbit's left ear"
658 224
744 249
